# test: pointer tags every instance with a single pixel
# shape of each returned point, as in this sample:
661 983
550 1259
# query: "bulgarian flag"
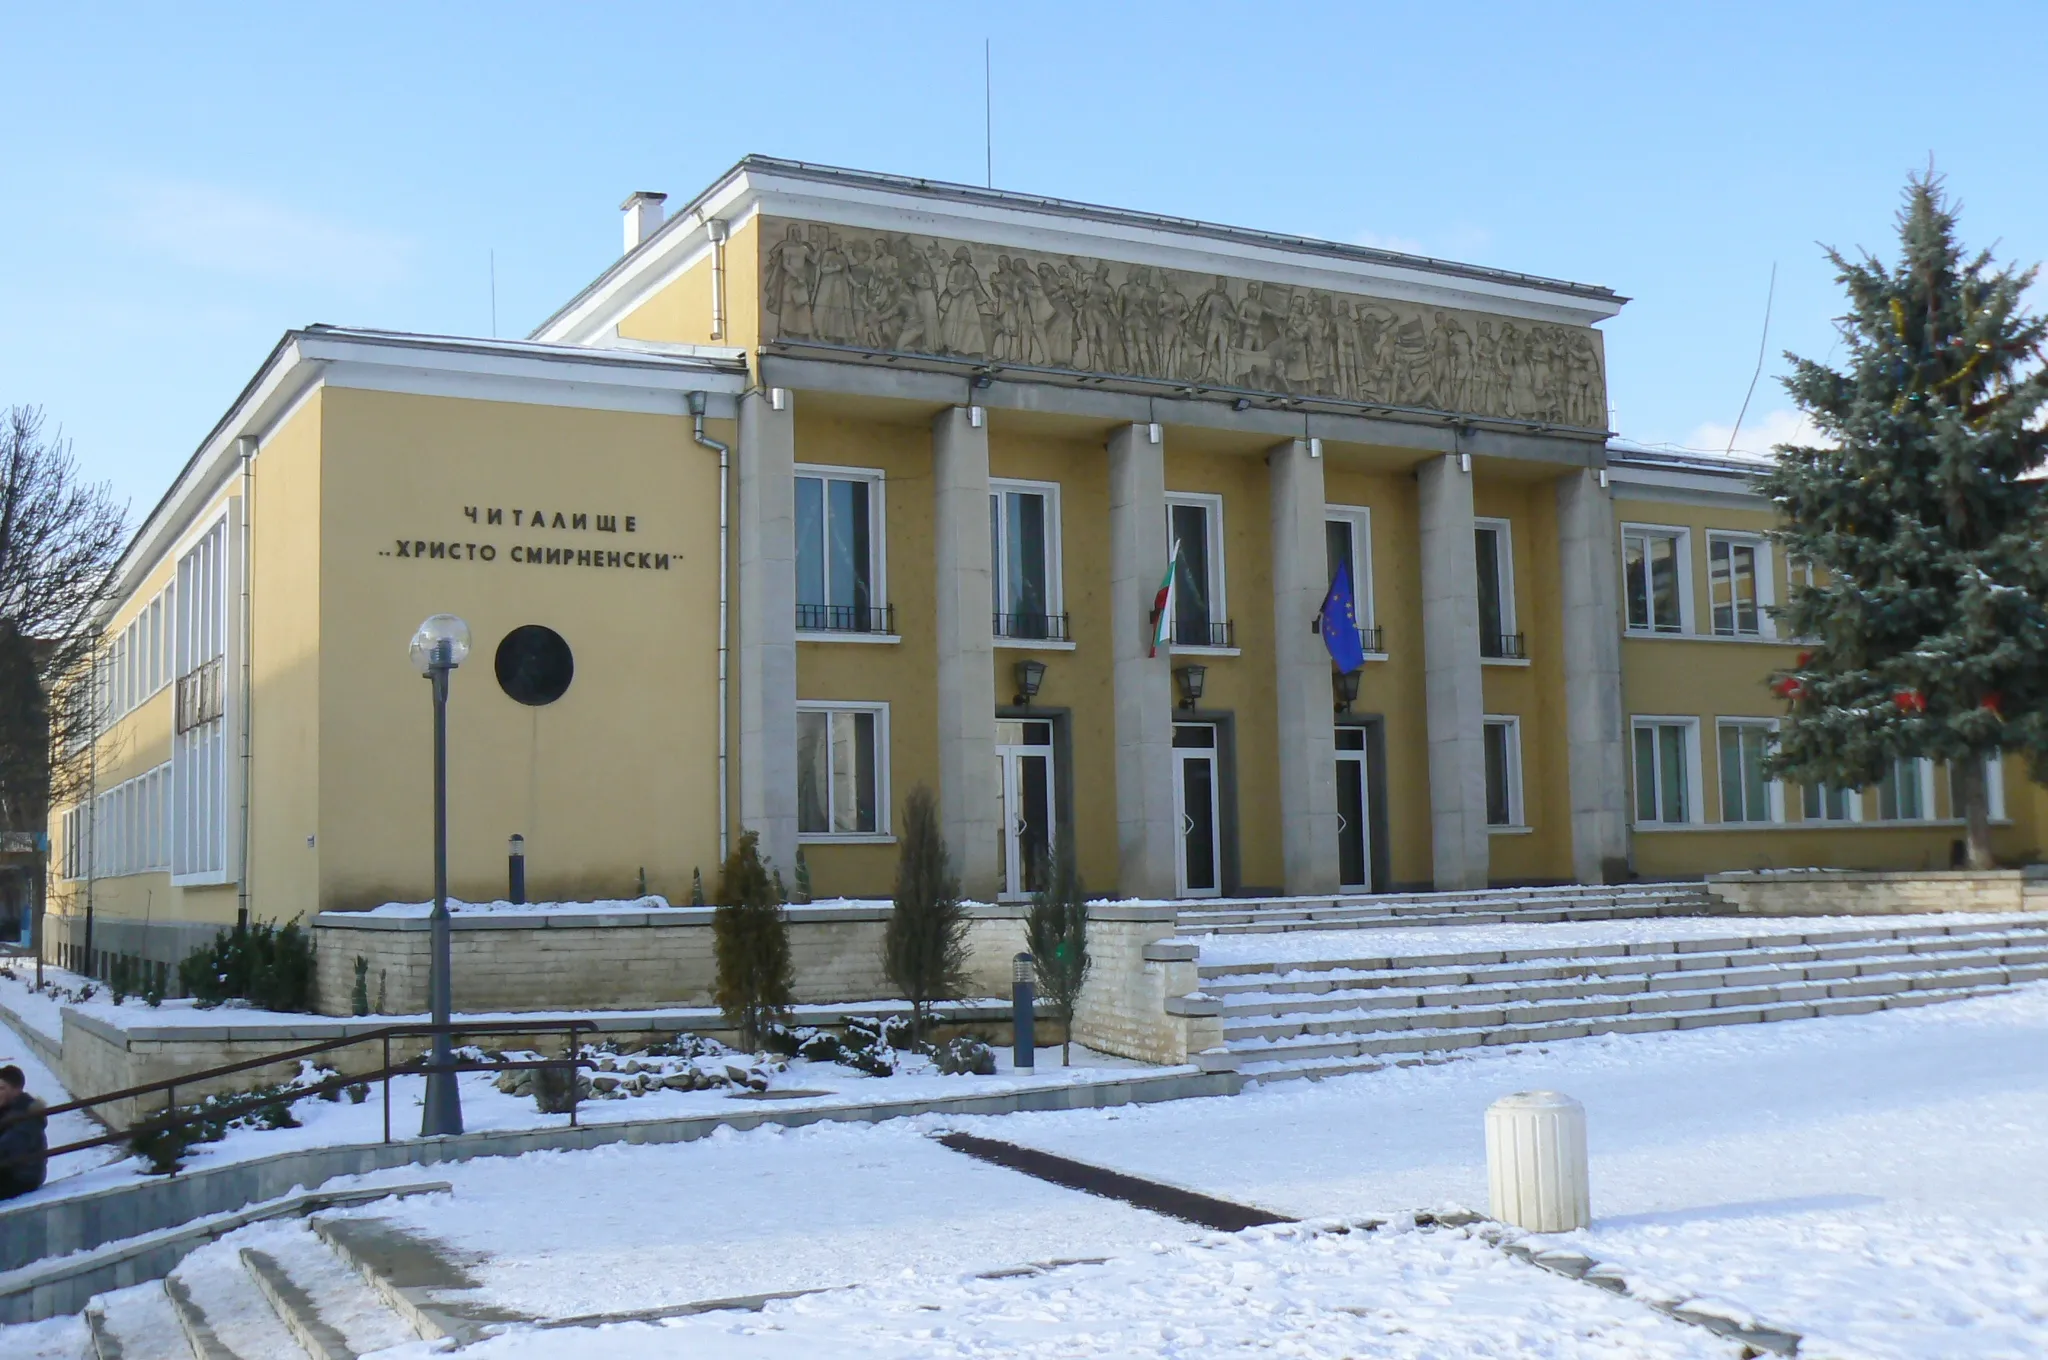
1162 603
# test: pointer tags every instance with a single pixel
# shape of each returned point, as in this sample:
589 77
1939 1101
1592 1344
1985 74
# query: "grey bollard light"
1023 1008
1536 1162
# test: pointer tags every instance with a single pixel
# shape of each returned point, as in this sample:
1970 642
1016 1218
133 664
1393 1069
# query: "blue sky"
182 183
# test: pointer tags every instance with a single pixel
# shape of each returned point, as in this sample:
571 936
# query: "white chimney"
644 217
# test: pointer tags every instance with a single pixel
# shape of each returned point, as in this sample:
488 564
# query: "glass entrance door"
1024 764
1198 872
1354 843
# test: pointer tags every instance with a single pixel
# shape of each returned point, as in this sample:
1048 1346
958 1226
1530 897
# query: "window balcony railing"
1033 627
1204 633
1503 647
846 618
1373 640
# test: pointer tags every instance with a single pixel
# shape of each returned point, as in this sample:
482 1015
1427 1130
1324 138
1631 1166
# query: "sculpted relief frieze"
923 295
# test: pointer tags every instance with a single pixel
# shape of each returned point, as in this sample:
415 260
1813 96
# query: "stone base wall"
1142 999
624 960
1845 892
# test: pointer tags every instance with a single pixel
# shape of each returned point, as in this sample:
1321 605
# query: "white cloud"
221 230
1760 434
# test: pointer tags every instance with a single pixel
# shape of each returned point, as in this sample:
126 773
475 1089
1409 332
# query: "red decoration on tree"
1805 660
1995 702
1910 701
1788 687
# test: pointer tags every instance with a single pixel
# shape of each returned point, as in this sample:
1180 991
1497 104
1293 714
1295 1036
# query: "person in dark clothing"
24 1146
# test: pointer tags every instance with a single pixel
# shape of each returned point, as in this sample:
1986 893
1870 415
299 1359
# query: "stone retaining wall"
575 960
1854 892
1142 998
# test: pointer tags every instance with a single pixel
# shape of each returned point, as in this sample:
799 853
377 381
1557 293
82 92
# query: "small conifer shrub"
924 952
750 938
1056 932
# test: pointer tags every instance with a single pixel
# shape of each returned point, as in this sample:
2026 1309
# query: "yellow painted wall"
285 648
680 310
905 673
617 775
1081 680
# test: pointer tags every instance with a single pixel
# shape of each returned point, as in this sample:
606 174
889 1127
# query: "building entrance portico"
1024 765
1354 831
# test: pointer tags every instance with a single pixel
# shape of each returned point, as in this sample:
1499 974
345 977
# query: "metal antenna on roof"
988 109
1762 342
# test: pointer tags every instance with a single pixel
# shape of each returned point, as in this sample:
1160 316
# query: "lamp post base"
444 1106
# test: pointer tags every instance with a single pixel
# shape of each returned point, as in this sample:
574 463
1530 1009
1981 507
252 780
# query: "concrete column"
1594 722
767 625
1307 738
1146 844
1455 700
967 658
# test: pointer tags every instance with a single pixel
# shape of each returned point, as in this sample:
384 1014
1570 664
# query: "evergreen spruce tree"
696 887
750 940
1928 612
924 951
803 876
1056 933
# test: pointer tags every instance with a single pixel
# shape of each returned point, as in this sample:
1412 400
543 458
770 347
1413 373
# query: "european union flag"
1340 623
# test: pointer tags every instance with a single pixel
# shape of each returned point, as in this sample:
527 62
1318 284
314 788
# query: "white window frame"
1055 557
1695 780
205 776
1359 517
1518 820
1766 582
878 543
1219 592
1923 769
1774 790
1852 800
1682 536
882 834
1508 623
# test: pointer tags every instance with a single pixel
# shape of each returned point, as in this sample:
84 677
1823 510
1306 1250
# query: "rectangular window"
1653 578
1906 793
1826 803
1503 771
1994 789
1347 542
839 551
1738 580
199 748
1024 556
841 770
1665 769
1194 530
1494 552
1746 795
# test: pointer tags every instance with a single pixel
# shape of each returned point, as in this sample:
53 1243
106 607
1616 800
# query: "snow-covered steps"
1295 1016
274 1290
1568 902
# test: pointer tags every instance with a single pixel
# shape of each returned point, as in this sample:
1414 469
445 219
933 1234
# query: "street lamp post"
440 645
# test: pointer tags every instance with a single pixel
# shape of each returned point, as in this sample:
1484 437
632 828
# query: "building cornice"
762 185
438 365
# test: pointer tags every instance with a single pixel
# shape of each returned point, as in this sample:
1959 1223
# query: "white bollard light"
1536 1162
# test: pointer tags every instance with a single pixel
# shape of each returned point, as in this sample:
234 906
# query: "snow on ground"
484 1107
1308 946
625 1227
1286 1292
1877 1182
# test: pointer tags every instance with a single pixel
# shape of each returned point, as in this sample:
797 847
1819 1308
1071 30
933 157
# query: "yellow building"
838 483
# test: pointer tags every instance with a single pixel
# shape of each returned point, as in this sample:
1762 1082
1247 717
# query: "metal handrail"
172 1119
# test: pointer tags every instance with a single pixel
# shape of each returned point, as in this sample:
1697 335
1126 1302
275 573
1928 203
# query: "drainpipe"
246 447
714 228
697 400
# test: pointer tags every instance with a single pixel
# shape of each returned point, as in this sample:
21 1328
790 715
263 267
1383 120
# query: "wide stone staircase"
331 1289
1490 906
1359 999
